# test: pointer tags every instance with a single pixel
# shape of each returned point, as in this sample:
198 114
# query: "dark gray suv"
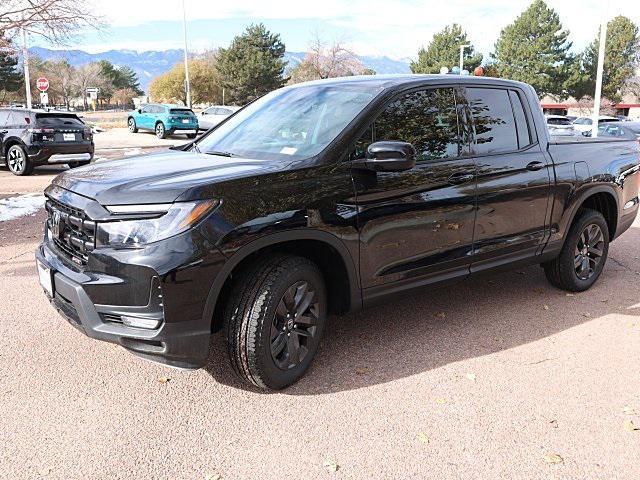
29 138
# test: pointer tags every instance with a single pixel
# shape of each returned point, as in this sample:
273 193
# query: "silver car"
212 116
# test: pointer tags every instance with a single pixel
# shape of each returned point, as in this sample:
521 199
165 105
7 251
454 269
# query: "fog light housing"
140 322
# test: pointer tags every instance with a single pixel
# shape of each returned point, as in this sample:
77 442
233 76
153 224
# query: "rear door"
513 177
416 226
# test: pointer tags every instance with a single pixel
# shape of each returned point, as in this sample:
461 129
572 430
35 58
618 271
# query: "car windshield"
290 123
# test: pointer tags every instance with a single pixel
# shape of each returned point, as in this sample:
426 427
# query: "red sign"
42 84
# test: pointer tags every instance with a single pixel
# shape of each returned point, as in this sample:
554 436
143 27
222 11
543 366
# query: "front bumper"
183 344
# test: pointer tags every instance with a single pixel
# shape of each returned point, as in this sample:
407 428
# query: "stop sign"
42 84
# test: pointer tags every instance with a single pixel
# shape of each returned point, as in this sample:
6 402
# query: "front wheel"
274 320
583 254
160 130
133 128
18 161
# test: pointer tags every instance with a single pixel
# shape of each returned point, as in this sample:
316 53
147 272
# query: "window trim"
455 87
527 112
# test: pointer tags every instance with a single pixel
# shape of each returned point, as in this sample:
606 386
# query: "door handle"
533 166
462 177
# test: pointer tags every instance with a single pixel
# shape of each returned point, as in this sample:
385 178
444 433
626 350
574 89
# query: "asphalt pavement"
498 377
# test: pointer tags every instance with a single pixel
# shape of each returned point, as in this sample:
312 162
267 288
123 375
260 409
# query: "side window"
493 120
147 109
522 126
4 117
427 119
360 149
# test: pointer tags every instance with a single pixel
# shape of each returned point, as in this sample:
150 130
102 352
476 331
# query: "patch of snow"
132 152
20 206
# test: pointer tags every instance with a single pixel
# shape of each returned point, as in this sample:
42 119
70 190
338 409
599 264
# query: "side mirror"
139 110
390 156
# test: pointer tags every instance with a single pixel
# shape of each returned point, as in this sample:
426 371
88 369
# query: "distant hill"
150 64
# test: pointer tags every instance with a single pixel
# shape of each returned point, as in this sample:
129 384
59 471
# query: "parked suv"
164 120
327 197
29 138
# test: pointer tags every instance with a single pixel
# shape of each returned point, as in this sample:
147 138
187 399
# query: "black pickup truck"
323 198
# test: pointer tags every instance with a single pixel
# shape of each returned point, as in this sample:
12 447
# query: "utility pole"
598 94
187 86
25 66
462 47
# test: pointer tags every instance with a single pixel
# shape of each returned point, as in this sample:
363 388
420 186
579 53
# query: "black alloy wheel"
294 325
589 251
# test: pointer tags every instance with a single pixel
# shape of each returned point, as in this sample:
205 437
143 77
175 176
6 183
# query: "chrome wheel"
16 160
588 252
160 130
132 125
294 326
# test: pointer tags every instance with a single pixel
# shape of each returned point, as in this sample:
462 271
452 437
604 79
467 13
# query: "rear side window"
493 120
427 119
4 117
522 125
57 120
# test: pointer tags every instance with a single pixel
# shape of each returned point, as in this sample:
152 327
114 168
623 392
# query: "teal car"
164 120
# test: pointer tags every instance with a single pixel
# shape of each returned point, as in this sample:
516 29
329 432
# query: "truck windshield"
291 123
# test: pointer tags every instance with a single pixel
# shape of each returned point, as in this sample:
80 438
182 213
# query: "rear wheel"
79 164
274 320
161 132
583 254
133 128
18 161
192 135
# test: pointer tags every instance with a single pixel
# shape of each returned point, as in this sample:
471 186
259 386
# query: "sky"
394 28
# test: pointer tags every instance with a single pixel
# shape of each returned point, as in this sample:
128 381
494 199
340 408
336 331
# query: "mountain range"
150 64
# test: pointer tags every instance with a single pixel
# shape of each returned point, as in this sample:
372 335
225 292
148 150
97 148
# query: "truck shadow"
437 327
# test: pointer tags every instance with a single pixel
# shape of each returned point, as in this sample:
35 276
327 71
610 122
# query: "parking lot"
499 377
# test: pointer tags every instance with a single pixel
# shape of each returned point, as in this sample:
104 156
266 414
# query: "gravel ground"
500 377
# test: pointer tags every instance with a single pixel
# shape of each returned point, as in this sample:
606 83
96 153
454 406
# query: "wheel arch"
10 142
602 199
324 249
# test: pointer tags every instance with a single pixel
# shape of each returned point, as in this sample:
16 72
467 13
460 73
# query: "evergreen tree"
10 76
127 78
535 49
252 65
444 51
621 58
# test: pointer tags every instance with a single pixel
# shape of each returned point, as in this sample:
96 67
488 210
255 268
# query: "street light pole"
598 93
187 86
462 47
25 66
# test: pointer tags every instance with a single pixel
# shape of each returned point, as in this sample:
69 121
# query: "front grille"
72 232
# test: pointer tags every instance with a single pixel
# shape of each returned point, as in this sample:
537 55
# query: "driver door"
416 226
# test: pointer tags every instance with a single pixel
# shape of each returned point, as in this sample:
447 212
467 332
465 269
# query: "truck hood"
159 178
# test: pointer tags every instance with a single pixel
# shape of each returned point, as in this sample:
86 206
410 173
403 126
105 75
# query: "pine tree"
10 77
535 49
252 65
622 57
444 51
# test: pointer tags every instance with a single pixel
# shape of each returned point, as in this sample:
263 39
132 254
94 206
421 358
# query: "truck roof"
391 80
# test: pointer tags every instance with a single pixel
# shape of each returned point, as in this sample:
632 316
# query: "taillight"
43 134
87 133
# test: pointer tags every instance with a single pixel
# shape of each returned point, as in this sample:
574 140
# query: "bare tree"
87 76
54 20
327 60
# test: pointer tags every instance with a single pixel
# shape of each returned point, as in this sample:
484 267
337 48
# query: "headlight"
166 221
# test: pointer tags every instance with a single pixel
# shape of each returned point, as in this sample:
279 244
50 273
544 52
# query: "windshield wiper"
221 154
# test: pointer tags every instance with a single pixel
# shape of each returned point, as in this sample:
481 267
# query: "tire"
18 161
261 335
583 254
191 136
79 164
133 128
161 131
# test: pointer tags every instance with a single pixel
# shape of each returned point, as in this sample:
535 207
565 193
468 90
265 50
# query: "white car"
559 125
583 124
212 116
